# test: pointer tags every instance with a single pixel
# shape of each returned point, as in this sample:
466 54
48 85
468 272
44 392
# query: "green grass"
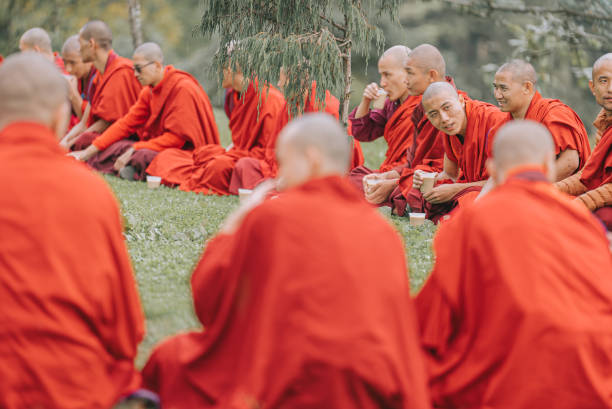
166 229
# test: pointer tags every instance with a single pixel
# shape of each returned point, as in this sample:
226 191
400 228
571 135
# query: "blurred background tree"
561 38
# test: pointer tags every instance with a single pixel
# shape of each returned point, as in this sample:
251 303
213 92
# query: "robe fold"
71 316
209 169
175 114
283 329
562 122
469 152
517 313
598 171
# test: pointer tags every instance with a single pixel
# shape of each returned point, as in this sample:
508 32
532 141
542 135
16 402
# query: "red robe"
598 169
209 169
59 62
283 327
469 152
71 316
115 92
563 123
517 312
175 114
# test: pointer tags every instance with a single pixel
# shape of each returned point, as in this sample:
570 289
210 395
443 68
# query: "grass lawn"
166 230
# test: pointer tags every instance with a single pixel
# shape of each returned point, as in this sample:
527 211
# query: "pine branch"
531 10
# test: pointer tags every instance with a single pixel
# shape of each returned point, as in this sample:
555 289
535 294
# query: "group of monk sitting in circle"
304 294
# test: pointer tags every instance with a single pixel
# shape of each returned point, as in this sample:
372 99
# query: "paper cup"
379 102
244 194
428 182
416 219
153 182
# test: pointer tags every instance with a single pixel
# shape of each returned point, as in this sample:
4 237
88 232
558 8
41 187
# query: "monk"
517 312
172 112
515 92
393 121
71 316
254 120
248 171
116 90
82 78
465 124
592 186
275 338
37 40
424 65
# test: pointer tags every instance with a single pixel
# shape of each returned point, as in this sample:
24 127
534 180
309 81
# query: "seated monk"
309 344
172 111
82 77
248 172
254 121
465 125
116 88
592 186
517 312
392 121
71 316
37 40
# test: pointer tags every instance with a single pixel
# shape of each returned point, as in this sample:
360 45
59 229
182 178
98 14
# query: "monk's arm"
76 131
598 197
567 163
572 185
135 118
450 170
369 94
161 142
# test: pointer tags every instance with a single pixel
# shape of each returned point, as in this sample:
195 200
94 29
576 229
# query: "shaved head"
35 39
398 54
521 143
71 45
311 146
438 89
601 80
604 60
150 52
99 31
427 57
520 70
31 89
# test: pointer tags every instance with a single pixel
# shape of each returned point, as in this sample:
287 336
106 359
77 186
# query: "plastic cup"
244 194
416 219
153 182
379 102
428 182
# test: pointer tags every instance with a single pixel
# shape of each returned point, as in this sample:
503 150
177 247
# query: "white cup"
416 219
428 182
379 102
153 181
244 194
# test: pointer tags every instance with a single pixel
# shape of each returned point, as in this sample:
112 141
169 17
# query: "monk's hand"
441 194
380 192
370 92
73 87
417 179
233 221
85 154
123 160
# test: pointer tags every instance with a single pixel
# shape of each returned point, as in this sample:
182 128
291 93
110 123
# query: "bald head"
522 143
398 54
605 61
427 57
438 89
150 52
312 146
31 89
99 32
71 45
36 39
445 108
520 70
601 81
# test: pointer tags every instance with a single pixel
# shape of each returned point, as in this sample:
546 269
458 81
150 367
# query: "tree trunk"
346 97
135 22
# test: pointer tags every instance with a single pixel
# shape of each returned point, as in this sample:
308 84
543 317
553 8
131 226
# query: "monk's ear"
462 100
592 87
528 87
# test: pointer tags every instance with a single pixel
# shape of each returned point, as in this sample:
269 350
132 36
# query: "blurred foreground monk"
172 112
37 40
248 172
465 125
116 88
515 92
71 316
277 295
593 184
82 79
254 121
392 121
423 66
517 313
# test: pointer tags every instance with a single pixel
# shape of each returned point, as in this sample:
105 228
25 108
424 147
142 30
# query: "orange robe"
115 92
175 114
469 152
517 312
209 169
563 123
71 316
598 171
283 328
249 172
59 62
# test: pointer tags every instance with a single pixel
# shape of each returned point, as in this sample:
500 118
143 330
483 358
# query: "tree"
135 22
311 39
